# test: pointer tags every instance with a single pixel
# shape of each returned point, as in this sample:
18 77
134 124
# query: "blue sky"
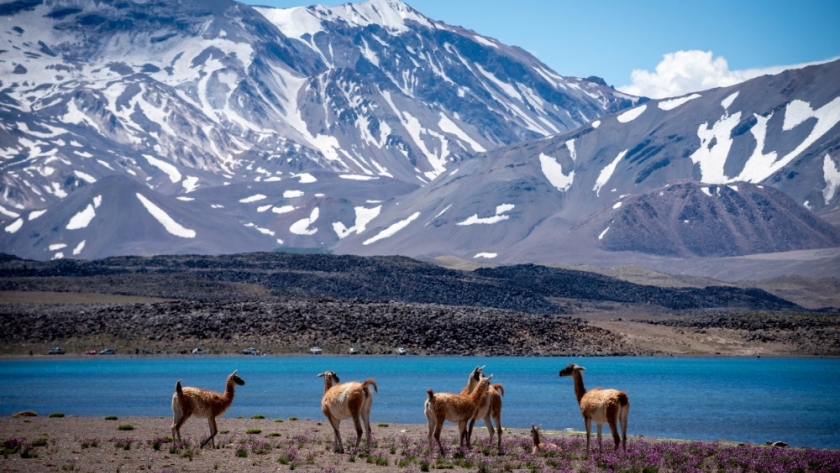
674 47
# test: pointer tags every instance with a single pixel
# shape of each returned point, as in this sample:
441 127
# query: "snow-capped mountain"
752 168
213 118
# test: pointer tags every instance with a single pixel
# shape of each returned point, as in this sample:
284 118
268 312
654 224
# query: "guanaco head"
484 382
330 376
570 370
535 434
236 379
477 372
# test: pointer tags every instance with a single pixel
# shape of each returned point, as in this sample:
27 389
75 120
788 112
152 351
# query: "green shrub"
91 443
258 416
57 414
125 427
253 431
111 417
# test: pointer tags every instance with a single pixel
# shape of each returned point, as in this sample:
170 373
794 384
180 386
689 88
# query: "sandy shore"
132 444
94 444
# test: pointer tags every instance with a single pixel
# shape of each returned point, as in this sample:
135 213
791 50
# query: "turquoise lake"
737 399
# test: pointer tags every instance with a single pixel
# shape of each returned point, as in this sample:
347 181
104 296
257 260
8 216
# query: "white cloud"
683 72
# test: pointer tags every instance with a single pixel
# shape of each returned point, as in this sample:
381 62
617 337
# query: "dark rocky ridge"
295 326
523 288
287 303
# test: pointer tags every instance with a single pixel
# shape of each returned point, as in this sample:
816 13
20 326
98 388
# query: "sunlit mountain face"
218 127
142 127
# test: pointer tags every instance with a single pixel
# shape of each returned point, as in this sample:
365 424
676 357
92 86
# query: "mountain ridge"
372 129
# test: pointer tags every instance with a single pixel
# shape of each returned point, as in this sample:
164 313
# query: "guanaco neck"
470 385
480 392
230 387
327 383
579 389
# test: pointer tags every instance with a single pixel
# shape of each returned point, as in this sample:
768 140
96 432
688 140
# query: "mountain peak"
390 14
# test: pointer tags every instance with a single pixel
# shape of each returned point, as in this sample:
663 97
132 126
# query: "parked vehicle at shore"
56 351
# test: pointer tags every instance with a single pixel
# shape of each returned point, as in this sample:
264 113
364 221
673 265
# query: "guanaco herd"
478 400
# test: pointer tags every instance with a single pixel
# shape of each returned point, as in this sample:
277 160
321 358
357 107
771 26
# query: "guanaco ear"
321 375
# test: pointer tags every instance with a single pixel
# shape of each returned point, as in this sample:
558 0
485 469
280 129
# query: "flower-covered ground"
111 444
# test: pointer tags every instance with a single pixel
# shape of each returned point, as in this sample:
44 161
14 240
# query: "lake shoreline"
80 443
166 356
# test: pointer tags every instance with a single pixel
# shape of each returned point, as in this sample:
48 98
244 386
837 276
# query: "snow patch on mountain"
553 171
14 226
570 144
831 173
164 219
83 218
448 126
302 226
761 166
393 229
498 217
84 176
283 210
36 213
8 212
674 103
253 198
606 173
603 233
305 178
167 168
364 216
293 22
729 100
190 184
264 231
357 177
632 114
715 143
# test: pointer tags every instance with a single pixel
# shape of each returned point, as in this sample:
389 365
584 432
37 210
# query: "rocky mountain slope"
284 303
522 288
239 128
742 170
137 128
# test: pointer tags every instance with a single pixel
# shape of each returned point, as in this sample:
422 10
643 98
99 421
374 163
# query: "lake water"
737 399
